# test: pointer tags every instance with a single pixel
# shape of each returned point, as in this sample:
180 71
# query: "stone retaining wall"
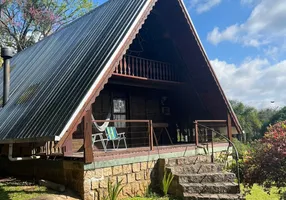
135 179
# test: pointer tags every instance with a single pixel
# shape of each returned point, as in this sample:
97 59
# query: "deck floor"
100 155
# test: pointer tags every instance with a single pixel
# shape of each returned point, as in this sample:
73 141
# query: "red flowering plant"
265 164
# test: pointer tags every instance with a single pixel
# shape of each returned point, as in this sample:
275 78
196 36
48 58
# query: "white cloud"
264 26
249 2
255 81
230 34
204 5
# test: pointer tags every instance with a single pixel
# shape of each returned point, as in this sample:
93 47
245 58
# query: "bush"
241 147
242 150
266 164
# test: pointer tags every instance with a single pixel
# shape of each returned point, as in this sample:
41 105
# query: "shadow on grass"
14 189
4 194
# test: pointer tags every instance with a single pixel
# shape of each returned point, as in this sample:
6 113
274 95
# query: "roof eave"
30 140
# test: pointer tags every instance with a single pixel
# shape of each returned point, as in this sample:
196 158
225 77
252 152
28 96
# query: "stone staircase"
197 178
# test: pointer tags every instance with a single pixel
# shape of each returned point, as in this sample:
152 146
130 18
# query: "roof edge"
193 29
107 71
29 140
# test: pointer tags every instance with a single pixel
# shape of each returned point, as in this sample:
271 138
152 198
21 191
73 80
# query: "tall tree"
248 118
24 22
278 116
266 114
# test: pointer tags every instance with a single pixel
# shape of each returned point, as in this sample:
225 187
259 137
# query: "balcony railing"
133 66
137 133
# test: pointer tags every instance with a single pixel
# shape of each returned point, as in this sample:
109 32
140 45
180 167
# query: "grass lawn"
12 189
145 198
20 190
257 193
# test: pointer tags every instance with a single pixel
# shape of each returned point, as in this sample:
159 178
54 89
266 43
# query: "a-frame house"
135 67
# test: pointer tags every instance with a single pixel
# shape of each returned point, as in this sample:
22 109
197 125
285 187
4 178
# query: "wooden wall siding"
137 111
142 104
151 69
102 106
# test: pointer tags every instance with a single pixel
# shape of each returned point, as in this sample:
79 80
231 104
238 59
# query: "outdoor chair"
111 135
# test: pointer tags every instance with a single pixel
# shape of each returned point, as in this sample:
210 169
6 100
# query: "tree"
248 118
278 116
266 164
266 114
24 22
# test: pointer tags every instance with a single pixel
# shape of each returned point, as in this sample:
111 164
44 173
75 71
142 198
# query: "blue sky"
246 43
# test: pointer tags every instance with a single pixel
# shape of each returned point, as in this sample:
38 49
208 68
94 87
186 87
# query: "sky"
245 41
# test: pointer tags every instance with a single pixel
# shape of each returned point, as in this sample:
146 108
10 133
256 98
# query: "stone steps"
188 160
189 196
206 177
199 168
213 188
197 178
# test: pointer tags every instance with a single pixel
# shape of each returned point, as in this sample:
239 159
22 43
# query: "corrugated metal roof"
50 79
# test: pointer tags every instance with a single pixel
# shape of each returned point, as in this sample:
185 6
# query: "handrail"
150 127
133 66
230 142
131 120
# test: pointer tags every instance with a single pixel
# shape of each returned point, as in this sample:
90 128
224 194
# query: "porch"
145 138
138 153
155 106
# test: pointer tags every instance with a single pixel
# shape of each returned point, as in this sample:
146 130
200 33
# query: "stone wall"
135 177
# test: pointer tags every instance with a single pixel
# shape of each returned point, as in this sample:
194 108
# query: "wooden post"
196 133
87 137
133 67
150 127
67 146
229 127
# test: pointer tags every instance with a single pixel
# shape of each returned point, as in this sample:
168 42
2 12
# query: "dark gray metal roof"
51 78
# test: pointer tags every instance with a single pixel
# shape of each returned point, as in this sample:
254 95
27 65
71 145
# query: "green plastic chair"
112 135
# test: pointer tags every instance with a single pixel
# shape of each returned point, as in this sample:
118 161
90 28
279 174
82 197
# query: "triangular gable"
218 93
131 22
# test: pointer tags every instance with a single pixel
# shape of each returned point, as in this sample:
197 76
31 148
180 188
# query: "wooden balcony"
141 68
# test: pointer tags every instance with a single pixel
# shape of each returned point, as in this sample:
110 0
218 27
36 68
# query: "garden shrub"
266 163
242 149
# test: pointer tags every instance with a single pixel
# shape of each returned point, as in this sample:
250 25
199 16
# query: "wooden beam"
210 121
67 146
197 133
229 127
87 137
150 127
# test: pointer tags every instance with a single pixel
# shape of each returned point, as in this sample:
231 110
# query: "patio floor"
100 155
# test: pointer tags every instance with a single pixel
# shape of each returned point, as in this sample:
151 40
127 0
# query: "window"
119 112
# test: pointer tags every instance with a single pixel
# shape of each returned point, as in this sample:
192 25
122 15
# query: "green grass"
151 198
15 190
257 193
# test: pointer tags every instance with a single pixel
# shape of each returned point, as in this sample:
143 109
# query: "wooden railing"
145 68
138 131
